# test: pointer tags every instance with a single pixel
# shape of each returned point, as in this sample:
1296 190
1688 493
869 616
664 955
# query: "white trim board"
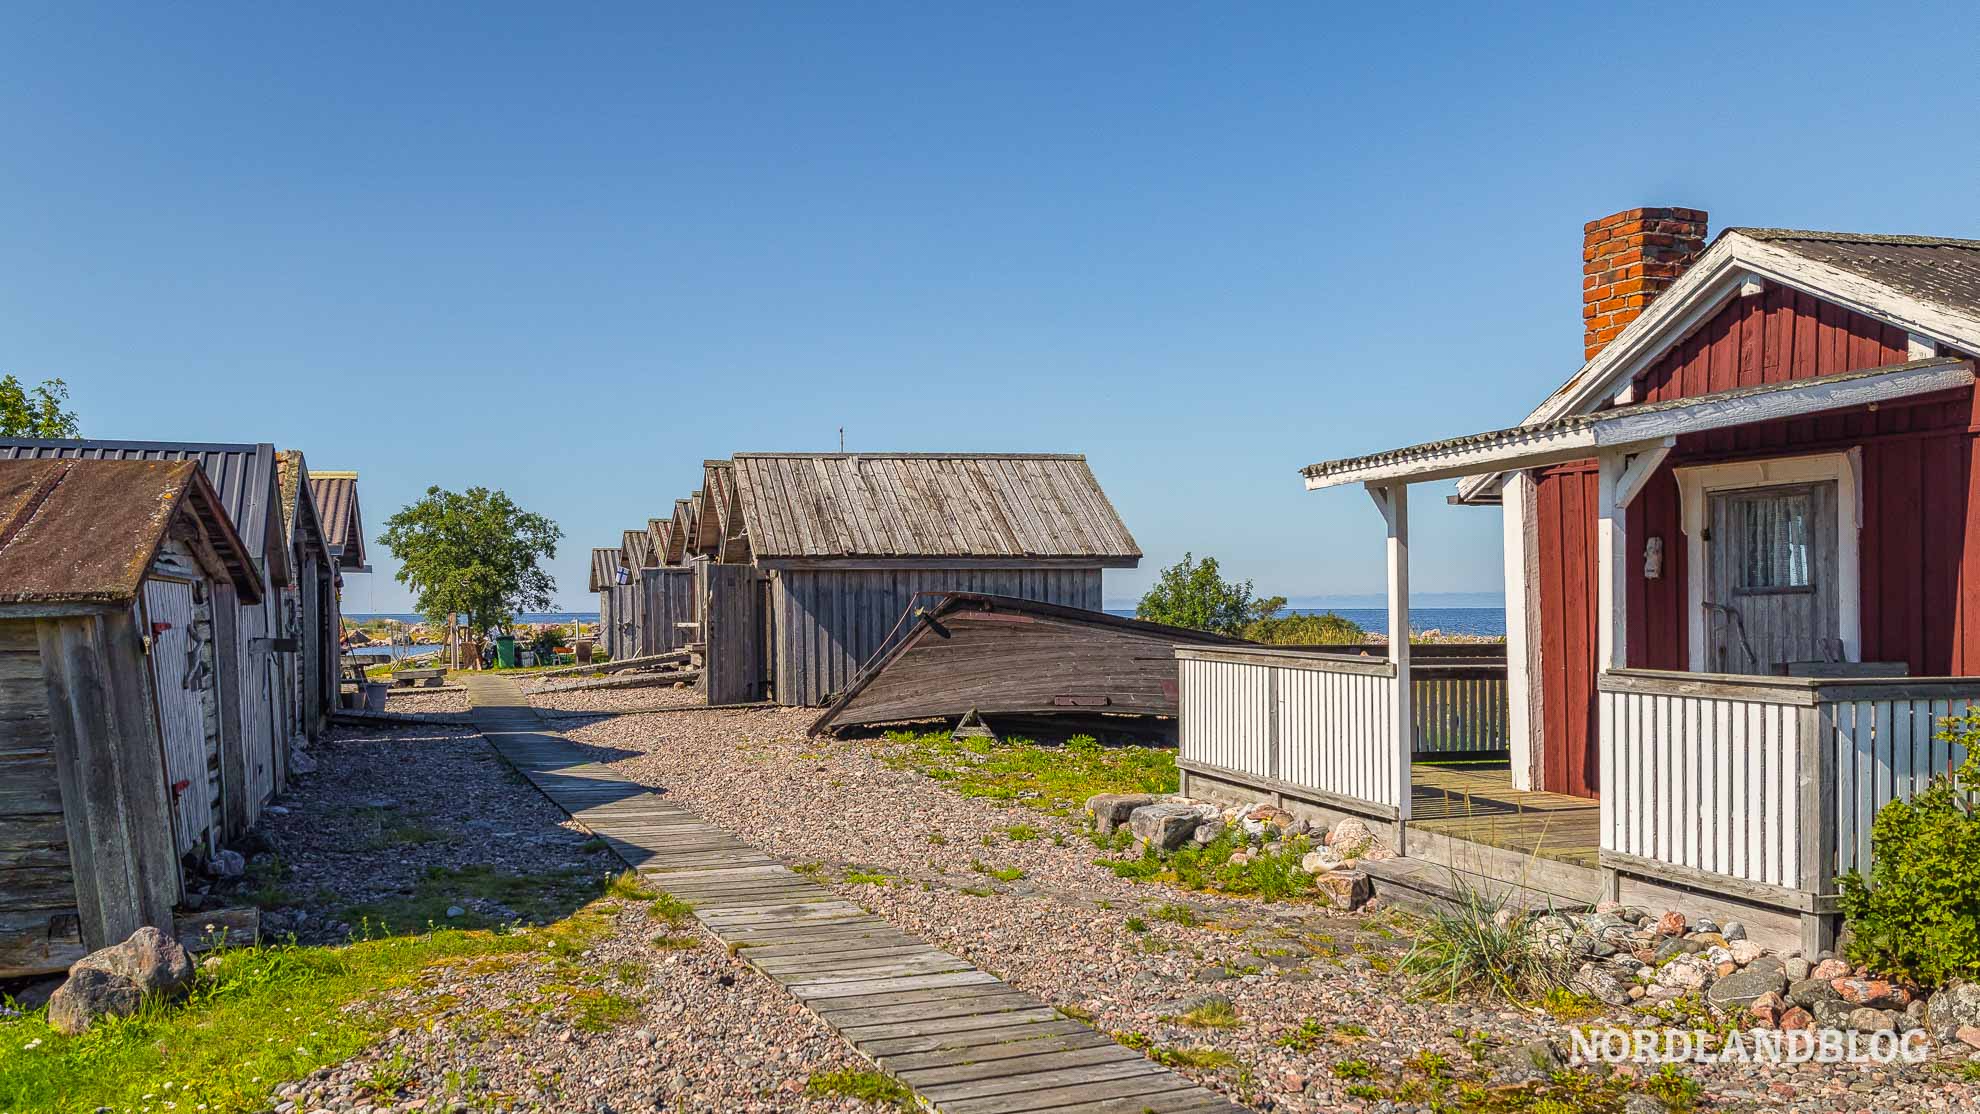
1648 425
1704 289
1696 485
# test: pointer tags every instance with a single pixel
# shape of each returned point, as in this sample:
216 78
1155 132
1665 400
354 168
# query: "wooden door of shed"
168 613
732 627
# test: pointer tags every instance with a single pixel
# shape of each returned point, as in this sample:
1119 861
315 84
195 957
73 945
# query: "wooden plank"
935 1075
1044 1034
1048 1098
1018 1087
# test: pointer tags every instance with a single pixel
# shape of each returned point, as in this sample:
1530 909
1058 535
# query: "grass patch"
261 1016
1000 873
867 876
1136 924
1021 833
1466 950
629 887
531 898
1309 1035
1202 1059
1215 1014
1052 779
863 1085
1274 876
1175 912
667 941
600 1011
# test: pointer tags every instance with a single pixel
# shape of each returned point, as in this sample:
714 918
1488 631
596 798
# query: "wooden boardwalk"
963 1039
1476 801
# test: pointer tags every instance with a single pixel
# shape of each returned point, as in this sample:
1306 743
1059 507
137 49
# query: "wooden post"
1816 780
1393 499
1612 626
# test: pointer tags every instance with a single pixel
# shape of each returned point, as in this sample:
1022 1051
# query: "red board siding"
1920 541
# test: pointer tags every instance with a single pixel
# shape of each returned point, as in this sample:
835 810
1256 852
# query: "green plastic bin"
505 652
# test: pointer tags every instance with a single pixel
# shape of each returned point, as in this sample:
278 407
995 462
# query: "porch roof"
1580 436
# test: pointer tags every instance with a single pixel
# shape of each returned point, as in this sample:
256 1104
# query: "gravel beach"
1323 1022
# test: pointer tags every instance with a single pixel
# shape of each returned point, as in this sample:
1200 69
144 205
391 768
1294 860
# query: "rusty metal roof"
242 475
336 496
86 531
918 506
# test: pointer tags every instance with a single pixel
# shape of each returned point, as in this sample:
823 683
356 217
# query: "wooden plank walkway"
963 1039
1476 801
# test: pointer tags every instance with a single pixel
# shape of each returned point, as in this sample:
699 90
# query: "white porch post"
1624 471
1393 498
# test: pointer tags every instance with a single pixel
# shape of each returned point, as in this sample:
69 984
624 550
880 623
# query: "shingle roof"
86 531
604 569
336 497
242 475
1935 269
928 506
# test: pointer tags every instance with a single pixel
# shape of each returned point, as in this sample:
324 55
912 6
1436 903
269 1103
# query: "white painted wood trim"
1495 453
1638 469
1393 499
1698 482
1522 578
1611 563
1704 289
1919 348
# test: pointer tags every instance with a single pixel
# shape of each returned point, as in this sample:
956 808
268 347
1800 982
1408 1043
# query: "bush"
1306 630
1917 916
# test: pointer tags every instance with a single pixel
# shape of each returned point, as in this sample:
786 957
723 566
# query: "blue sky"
572 251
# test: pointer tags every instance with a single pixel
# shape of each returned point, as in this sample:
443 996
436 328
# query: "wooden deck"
1476 801
964 1040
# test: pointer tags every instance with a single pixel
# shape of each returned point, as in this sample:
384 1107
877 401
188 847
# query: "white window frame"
1698 483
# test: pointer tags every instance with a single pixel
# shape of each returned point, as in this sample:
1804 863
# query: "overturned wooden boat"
1010 659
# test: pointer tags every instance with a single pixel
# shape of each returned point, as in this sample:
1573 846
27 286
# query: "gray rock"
300 762
228 864
1808 993
455 911
1164 826
1797 968
1686 973
1955 1006
1832 1013
1676 946
1863 1019
151 961
1605 982
1742 988
1111 810
1733 931
1208 831
1534 1059
90 993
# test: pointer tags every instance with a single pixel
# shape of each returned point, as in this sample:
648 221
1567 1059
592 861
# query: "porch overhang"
1582 436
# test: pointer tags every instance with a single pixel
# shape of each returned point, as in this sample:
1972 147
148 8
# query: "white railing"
1764 785
1317 725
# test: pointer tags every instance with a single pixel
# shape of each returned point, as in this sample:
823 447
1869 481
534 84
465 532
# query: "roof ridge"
915 455
1897 239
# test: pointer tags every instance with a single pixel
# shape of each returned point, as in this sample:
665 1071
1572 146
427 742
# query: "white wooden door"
168 614
1771 578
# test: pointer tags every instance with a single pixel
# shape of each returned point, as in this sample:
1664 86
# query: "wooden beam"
1638 467
1394 502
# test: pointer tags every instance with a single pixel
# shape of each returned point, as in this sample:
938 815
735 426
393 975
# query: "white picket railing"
1313 724
1767 784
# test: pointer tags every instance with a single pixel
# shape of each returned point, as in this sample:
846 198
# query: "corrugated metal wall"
828 623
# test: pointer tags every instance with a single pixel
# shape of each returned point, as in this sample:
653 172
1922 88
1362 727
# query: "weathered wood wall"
827 623
38 915
1920 548
666 601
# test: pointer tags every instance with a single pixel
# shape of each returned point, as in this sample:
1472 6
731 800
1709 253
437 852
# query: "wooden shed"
321 529
604 581
114 581
289 628
841 543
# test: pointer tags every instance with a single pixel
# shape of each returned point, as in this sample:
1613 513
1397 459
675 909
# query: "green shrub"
1273 877
1917 916
1327 629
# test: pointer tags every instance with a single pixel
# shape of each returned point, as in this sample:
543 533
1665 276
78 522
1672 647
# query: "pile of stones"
1169 824
1630 956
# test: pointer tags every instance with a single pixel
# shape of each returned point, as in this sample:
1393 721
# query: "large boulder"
1350 837
1686 973
1605 981
1744 987
89 994
1111 810
151 960
1165 826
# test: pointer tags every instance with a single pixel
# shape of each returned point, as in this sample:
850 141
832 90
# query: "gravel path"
1323 1022
452 701
678 1024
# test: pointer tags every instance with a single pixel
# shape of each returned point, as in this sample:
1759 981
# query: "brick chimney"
1629 258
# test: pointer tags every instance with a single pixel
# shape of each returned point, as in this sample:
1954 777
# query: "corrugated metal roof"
243 475
679 529
928 506
336 497
604 569
85 530
657 531
638 549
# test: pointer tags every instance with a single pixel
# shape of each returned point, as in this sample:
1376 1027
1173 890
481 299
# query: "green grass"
533 898
1217 1014
629 887
1307 1037
865 1086
1053 779
600 1011
1020 833
262 1016
1202 1059
1175 912
1000 873
671 909
1274 877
